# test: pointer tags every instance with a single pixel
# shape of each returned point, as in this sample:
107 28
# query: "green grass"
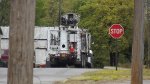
146 74
105 75
109 75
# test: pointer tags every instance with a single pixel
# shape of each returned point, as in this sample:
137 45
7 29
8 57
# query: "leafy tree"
4 12
98 16
47 11
42 8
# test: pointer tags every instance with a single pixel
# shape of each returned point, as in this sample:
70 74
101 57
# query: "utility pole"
148 31
59 23
138 43
59 17
148 34
21 42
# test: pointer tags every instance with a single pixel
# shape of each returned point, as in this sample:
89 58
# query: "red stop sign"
116 31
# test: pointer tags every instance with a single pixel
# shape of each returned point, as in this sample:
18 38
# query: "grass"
106 75
146 74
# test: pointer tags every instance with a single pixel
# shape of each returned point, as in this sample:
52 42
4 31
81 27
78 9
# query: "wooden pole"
148 34
59 23
148 40
148 31
138 43
21 42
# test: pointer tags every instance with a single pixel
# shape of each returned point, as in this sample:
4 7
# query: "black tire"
4 64
88 65
78 65
83 61
48 64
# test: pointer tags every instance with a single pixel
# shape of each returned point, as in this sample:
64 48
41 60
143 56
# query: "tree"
47 11
147 31
21 43
138 43
4 12
98 16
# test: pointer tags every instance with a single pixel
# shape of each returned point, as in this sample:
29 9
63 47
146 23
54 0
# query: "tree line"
97 16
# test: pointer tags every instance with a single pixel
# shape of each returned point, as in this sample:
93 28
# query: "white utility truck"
68 44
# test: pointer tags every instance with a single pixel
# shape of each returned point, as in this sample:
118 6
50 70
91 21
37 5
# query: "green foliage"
47 11
4 12
42 13
103 75
98 16
107 75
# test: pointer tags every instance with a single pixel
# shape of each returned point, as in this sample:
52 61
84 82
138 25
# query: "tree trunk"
21 42
148 35
138 43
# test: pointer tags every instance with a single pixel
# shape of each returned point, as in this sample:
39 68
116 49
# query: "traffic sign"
116 31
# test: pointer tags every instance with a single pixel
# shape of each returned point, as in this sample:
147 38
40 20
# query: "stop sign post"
116 31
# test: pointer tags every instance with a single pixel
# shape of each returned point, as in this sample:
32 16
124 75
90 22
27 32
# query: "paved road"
48 75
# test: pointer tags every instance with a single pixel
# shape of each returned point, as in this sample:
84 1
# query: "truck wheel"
48 64
4 64
83 63
88 65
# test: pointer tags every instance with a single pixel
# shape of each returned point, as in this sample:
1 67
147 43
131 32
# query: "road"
48 75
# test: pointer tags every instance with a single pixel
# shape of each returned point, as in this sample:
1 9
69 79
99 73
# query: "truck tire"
88 65
83 61
48 64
